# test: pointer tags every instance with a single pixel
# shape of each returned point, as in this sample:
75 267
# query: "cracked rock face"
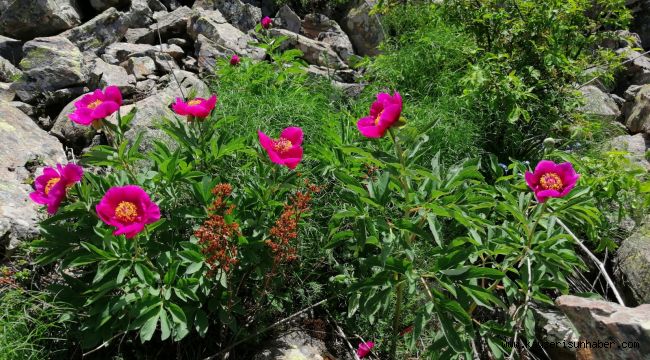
33 18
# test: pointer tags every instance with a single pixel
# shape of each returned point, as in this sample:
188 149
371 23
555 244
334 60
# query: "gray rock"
638 147
141 67
351 90
101 5
605 321
180 42
165 63
207 53
288 19
241 15
146 86
103 74
552 326
25 108
191 64
120 52
6 92
50 63
294 344
100 31
134 36
213 26
599 104
169 25
29 19
8 72
637 113
171 4
314 52
637 68
11 49
69 133
24 146
63 96
633 264
321 28
364 30
155 107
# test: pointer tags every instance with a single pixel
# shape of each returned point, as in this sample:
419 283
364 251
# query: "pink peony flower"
128 208
52 185
384 113
266 22
96 106
551 180
197 107
234 60
364 348
286 150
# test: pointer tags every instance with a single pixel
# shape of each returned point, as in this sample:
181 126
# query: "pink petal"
543 195
531 180
180 107
105 109
368 128
112 93
376 108
293 134
390 116
544 167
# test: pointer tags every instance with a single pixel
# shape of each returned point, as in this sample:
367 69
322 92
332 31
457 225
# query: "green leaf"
201 322
147 330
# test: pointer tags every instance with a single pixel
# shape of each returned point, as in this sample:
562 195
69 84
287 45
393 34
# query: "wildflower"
384 113
128 208
94 107
551 180
195 108
286 150
365 348
216 234
52 185
266 22
234 60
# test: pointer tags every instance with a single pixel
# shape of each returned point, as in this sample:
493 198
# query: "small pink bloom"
128 208
551 180
364 348
197 107
384 113
52 185
96 106
266 22
286 150
234 60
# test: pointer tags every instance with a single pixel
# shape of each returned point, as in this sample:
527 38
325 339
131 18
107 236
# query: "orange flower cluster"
285 229
216 234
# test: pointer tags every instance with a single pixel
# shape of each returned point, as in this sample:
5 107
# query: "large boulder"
288 19
103 74
321 28
241 15
364 29
636 68
633 264
8 72
120 52
169 25
598 103
6 92
50 63
24 147
637 112
638 147
552 326
214 26
602 321
27 19
11 49
314 52
100 31
72 135
101 5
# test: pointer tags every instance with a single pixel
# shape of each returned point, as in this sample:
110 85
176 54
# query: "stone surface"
321 28
27 19
637 68
165 63
207 53
11 49
553 326
364 30
621 39
103 74
50 63
8 72
598 103
25 108
101 5
288 19
341 76
141 67
100 31
241 15
294 345
604 321
169 25
120 52
136 35
641 19
314 52
637 113
213 26
24 147
633 264
638 147
6 93
69 133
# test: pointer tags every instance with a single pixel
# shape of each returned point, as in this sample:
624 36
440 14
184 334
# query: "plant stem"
397 315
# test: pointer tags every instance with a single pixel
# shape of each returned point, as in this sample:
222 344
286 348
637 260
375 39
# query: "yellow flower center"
126 211
378 117
282 145
194 102
93 105
551 181
50 184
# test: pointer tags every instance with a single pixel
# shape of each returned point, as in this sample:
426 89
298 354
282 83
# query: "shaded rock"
605 321
341 76
597 103
69 133
173 24
314 52
165 63
63 96
552 326
637 68
364 30
100 31
141 67
288 19
207 53
50 63
191 64
135 35
6 93
241 15
25 108
637 113
29 19
620 39
640 19
8 72
294 344
633 264
638 147
321 28
351 90
101 5
180 42
120 52
171 4
213 26
146 86
24 145
11 49
155 107
103 74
